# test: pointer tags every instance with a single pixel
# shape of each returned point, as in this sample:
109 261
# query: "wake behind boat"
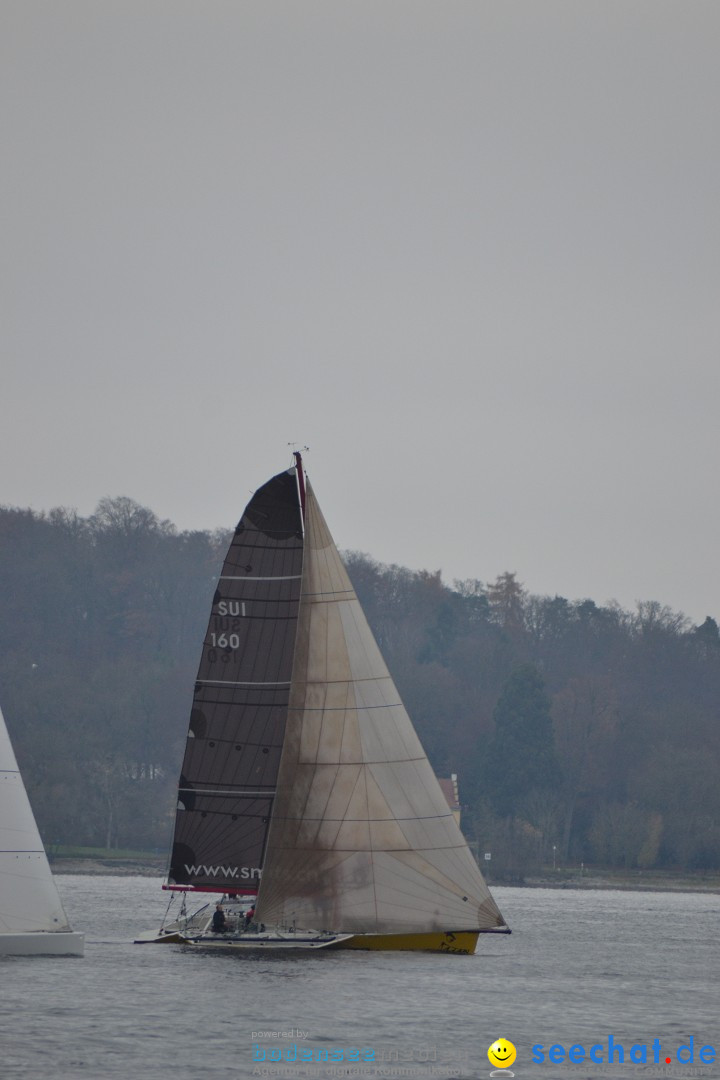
304 786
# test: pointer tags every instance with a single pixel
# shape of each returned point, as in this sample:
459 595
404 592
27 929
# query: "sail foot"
364 892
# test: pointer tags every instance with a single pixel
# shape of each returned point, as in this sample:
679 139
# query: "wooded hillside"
591 729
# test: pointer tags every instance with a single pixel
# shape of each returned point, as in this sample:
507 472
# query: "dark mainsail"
239 709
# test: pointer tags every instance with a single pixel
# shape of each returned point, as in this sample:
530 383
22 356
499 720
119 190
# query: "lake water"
579 968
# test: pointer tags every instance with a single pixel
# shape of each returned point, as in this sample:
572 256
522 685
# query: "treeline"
100 628
579 732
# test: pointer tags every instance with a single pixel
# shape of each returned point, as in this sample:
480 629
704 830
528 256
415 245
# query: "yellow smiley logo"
502 1053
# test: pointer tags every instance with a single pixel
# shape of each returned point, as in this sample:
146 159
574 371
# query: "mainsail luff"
237 722
361 839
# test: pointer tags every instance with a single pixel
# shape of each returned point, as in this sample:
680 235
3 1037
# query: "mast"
300 475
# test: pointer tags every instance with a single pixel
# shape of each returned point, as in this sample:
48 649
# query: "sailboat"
304 789
32 919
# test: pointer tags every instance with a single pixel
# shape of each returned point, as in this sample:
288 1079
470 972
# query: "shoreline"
109 867
645 882
711 886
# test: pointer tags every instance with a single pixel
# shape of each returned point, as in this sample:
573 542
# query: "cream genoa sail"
32 919
362 838
359 840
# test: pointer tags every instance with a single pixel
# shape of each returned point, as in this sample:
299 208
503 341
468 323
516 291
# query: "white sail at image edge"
32 918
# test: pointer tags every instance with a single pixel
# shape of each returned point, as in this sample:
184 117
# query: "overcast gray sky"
467 251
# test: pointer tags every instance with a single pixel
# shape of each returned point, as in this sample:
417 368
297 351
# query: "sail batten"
267 577
361 838
243 682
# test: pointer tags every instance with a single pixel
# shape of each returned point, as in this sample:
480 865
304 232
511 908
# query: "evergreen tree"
521 754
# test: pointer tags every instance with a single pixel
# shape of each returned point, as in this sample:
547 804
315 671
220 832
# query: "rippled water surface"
579 967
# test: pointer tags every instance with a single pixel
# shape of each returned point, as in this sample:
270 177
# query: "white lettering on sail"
225 641
231 607
223 871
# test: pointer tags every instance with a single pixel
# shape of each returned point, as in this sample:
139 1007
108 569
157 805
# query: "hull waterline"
68 943
463 942
267 943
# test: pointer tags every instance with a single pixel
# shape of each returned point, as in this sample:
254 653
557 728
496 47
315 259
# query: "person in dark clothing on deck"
219 926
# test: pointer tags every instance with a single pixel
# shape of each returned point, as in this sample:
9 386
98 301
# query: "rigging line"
245 577
372 853
242 682
261 702
330 592
237 793
382 820
253 618
360 763
262 603
283 636
248 745
340 820
355 679
209 703
351 708
249 532
329 598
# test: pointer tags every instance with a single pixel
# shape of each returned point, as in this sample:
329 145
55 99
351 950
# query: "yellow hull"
463 942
